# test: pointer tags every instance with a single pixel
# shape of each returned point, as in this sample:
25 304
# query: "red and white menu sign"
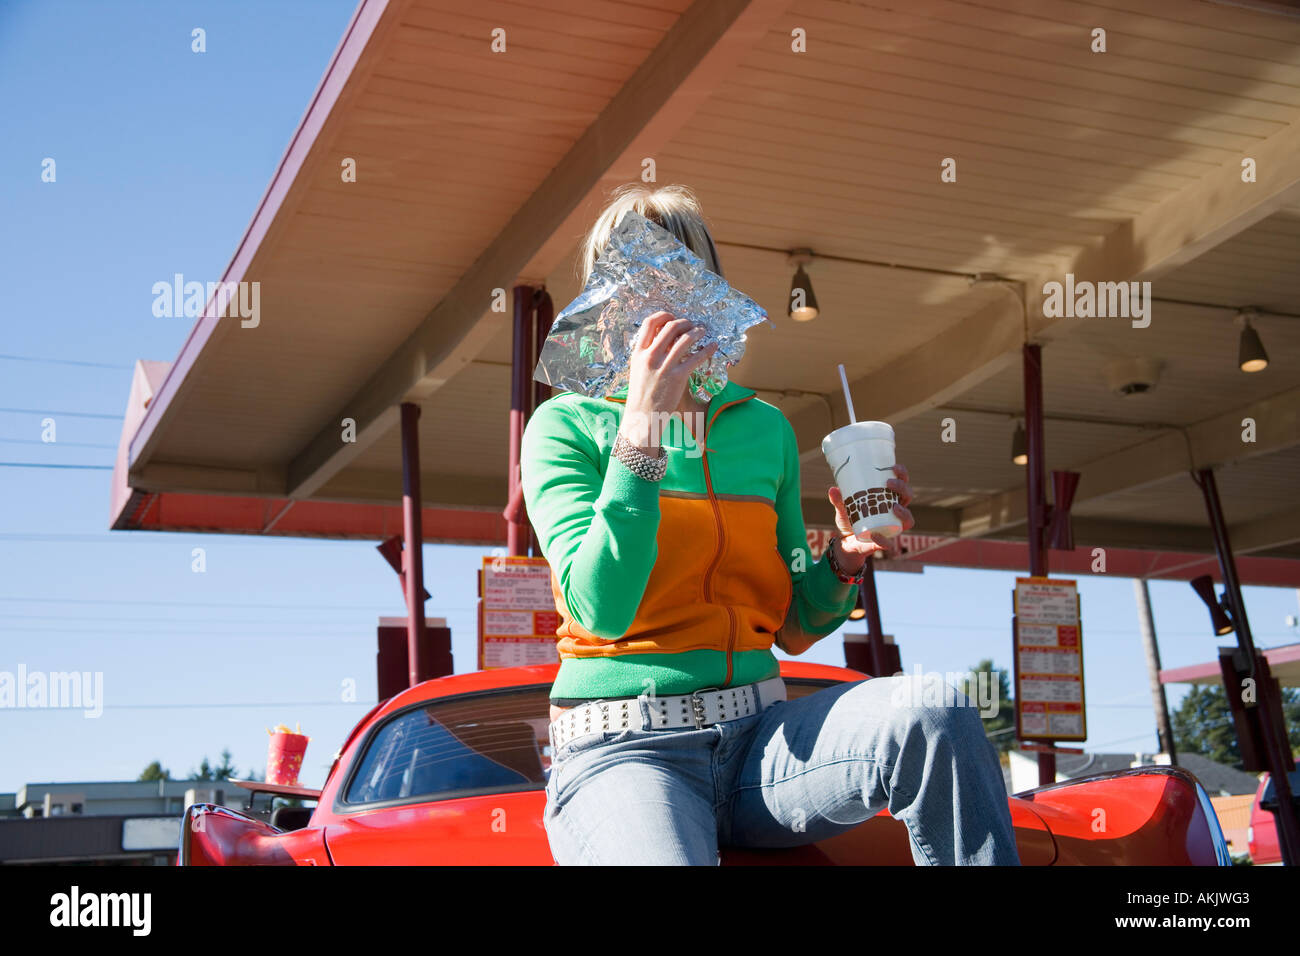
517 619
1048 660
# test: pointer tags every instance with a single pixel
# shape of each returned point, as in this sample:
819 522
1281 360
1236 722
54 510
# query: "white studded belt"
706 707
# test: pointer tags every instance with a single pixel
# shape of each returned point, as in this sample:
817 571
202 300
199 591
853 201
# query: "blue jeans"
796 772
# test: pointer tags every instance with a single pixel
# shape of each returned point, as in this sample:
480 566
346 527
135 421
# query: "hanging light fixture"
801 304
1250 353
1219 620
1020 445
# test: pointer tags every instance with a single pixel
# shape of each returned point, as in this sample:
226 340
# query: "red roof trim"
1286 654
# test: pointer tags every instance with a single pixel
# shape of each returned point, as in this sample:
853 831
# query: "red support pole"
1037 466
520 395
1036 492
871 602
877 658
545 319
413 540
541 391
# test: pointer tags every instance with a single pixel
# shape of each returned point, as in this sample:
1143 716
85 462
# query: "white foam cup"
861 456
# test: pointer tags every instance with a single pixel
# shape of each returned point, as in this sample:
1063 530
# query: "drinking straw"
848 399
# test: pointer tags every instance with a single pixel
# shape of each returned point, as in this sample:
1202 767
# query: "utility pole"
1146 624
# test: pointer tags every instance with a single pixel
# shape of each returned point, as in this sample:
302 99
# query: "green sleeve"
596 520
821 601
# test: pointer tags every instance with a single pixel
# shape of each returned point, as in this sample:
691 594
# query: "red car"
1262 836
453 771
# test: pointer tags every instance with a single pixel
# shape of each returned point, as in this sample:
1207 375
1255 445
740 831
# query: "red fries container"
284 758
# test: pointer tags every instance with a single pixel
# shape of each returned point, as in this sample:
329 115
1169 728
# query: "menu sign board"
1048 645
517 619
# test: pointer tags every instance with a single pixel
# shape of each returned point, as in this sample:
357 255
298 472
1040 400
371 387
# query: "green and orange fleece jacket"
674 586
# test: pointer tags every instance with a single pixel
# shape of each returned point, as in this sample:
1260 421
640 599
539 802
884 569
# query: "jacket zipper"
722 533
722 539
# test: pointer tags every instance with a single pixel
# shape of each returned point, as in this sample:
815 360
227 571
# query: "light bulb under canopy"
801 291
1019 446
1251 356
1219 620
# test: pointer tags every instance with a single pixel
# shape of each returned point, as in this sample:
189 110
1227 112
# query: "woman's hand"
854 551
658 371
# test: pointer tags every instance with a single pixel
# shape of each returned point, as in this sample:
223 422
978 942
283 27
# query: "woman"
679 558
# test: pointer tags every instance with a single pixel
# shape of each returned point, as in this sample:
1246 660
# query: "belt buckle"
697 706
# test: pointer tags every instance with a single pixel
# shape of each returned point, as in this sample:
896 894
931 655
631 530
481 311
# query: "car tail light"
213 835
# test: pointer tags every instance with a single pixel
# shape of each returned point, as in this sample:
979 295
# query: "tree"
1000 728
1203 724
224 771
227 769
155 771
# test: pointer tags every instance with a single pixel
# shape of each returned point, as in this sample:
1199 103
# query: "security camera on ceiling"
1135 375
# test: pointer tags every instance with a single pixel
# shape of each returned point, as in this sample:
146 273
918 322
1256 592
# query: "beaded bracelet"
641 464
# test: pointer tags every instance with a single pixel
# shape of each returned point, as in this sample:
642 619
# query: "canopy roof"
477 170
1283 664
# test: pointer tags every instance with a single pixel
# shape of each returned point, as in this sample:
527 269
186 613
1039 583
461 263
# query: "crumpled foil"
644 269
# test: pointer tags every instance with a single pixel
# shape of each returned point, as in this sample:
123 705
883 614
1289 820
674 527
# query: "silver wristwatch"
651 469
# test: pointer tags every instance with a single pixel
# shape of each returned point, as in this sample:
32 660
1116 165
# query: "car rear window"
472 743
476 742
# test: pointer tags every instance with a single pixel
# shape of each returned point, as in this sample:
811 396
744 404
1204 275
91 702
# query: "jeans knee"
958 722
928 690
936 708
933 723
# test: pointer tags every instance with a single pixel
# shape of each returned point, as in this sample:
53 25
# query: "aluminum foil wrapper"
643 270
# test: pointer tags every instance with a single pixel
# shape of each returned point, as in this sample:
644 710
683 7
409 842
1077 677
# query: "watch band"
840 573
641 464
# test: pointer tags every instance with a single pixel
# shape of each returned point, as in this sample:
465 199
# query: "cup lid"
858 431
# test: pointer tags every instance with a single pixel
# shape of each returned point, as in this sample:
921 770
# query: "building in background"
103 822
1219 780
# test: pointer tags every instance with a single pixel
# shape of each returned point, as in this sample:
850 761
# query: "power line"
145 536
231 633
207 619
38 464
221 706
233 627
188 604
1124 740
181 633
56 444
1137 693
1119 706
46 411
54 361
378 608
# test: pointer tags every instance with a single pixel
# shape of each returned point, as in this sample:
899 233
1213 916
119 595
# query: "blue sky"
162 155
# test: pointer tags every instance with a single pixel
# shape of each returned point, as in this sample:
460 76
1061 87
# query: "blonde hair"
673 207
